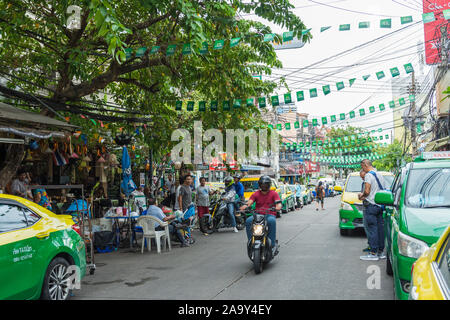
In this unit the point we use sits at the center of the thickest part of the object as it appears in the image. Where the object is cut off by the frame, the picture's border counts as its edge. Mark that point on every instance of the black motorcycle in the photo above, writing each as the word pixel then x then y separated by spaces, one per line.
pixel 259 247
pixel 219 217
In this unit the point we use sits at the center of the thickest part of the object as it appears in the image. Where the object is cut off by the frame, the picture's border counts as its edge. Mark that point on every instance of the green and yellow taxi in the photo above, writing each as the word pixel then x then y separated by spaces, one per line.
pixel 351 208
pixel 417 213
pixel 287 197
pixel 431 272
pixel 250 184
pixel 42 255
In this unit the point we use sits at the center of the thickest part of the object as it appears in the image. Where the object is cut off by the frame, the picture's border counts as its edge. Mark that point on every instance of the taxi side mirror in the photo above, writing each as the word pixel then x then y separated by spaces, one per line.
pixel 338 188
pixel 385 198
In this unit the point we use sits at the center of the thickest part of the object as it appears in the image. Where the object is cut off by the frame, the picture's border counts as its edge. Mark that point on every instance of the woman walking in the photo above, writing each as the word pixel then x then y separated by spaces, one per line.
pixel 320 195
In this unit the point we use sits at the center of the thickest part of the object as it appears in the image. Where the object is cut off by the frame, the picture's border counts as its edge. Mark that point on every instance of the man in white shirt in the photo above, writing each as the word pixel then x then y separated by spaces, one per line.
pixel 373 182
pixel 156 212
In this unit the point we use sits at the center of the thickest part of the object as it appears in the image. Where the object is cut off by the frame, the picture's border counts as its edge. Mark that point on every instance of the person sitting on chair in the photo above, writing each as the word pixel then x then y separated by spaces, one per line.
pixel 156 212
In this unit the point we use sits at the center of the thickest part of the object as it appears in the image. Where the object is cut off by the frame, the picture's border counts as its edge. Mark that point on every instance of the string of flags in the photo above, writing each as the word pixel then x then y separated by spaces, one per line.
pixel 287 36
pixel 343 160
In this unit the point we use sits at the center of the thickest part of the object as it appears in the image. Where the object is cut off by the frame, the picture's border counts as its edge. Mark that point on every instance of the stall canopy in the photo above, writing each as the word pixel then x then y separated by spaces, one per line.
pixel 29 124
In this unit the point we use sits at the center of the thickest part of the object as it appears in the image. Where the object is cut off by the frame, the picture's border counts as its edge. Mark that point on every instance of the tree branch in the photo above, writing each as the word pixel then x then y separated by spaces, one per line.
pixel 151 89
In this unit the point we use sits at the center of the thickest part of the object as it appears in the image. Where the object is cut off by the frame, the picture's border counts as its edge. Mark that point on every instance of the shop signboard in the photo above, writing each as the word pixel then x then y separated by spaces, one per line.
pixel 432 29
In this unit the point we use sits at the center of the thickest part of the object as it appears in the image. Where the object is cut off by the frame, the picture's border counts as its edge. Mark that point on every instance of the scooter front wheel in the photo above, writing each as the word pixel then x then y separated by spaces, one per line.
pixel 257 261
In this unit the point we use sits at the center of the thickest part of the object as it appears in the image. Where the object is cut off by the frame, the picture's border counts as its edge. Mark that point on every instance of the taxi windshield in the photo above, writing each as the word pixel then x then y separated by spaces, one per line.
pixel 428 188
pixel 354 184
pixel 250 186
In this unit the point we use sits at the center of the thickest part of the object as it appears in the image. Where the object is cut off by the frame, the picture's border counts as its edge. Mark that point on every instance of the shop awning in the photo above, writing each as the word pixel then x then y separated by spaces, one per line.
pixel 13 116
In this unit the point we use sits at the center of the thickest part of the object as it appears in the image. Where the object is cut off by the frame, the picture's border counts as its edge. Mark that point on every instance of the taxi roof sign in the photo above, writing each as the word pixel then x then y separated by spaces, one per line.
pixel 436 155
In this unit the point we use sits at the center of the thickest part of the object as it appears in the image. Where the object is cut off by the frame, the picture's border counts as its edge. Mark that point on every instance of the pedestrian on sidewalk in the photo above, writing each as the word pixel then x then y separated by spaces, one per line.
pixel 373 182
pixel 202 198
pixel 320 195
pixel 185 196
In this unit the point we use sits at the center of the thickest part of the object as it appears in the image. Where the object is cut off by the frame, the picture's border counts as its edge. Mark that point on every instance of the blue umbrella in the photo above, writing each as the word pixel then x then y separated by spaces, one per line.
pixel 127 185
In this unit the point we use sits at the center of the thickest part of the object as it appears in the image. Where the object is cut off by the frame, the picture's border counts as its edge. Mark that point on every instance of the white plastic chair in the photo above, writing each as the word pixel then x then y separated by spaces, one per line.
pixel 148 226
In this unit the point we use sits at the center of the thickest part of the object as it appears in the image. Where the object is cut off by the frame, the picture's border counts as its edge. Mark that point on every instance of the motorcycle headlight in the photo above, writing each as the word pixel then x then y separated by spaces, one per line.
pixel 346 206
pixel 258 230
pixel 409 246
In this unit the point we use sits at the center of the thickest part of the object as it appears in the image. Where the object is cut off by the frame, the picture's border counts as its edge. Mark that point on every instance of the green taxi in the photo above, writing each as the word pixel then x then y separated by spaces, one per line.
pixel 41 254
pixel 417 213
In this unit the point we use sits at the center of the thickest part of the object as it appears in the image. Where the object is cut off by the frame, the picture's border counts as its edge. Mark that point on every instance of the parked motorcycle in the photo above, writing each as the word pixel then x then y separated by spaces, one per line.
pixel 219 217
pixel 259 247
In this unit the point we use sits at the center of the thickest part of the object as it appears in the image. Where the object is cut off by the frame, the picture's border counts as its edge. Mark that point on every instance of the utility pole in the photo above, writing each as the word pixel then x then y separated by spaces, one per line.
pixel 412 91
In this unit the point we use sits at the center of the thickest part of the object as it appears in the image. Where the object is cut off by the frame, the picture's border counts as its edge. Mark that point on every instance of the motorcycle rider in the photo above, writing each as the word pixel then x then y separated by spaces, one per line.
pixel 264 200
pixel 230 197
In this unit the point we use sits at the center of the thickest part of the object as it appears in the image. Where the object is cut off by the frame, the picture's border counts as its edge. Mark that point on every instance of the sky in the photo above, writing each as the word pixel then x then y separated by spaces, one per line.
pixel 391 51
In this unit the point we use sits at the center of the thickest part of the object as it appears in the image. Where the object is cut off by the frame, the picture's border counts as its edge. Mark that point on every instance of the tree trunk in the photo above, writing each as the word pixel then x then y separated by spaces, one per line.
pixel 14 156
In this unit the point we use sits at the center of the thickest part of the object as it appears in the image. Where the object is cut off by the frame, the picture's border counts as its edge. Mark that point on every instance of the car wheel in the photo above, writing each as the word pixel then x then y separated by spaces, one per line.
pixel 56 281
pixel 389 270
pixel 343 232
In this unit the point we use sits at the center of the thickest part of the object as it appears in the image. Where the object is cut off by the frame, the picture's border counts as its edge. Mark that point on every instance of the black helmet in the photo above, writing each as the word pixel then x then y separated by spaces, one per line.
pixel 237 176
pixel 264 183
pixel 228 181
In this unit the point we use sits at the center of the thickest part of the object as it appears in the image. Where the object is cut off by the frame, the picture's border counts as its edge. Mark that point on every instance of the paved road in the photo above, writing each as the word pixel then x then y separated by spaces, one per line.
pixel 315 262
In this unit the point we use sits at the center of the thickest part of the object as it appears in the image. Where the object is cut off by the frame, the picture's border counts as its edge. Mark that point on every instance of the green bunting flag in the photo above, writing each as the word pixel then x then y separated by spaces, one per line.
pixel 324 120
pixel 214 105
pixel 391 104
pixel 428 17
pixel 315 123
pixel 269 37
pixel 412 98
pixel 287 126
pixel 237 103
pixel 386 136
pixel 279 127
pixel 300 96
pixel 401 101
pixel 446 14
pixel 218 44
pixel 305 123
pixel 324 29
pixel 395 72
pixel 313 93
pixel 288 36
pixel 385 23
pixel 190 106
pixel 372 109
pixel 364 25
pixel 366 77
pixel 342 116
pixel 382 107
pixel 155 49
pixel 344 27
pixel 340 85
pixel 352 114
pixel 202 106
pixel 407 19
pixel 171 50
pixel 226 105
pixel 186 49
pixel 128 53
pixel 296 124
pixel 270 126
pixel 140 52
pixel 333 118
pixel 250 102
pixel 326 89
pixel 380 75
pixel 362 112
pixel 287 98
pixel 204 48
pixel 352 81
pixel 408 68
pixel 234 42
pixel 178 105
pixel 275 101
pixel 262 102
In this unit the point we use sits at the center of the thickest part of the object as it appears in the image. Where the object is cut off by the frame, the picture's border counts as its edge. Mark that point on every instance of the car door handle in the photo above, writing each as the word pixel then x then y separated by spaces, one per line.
pixel 43 235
